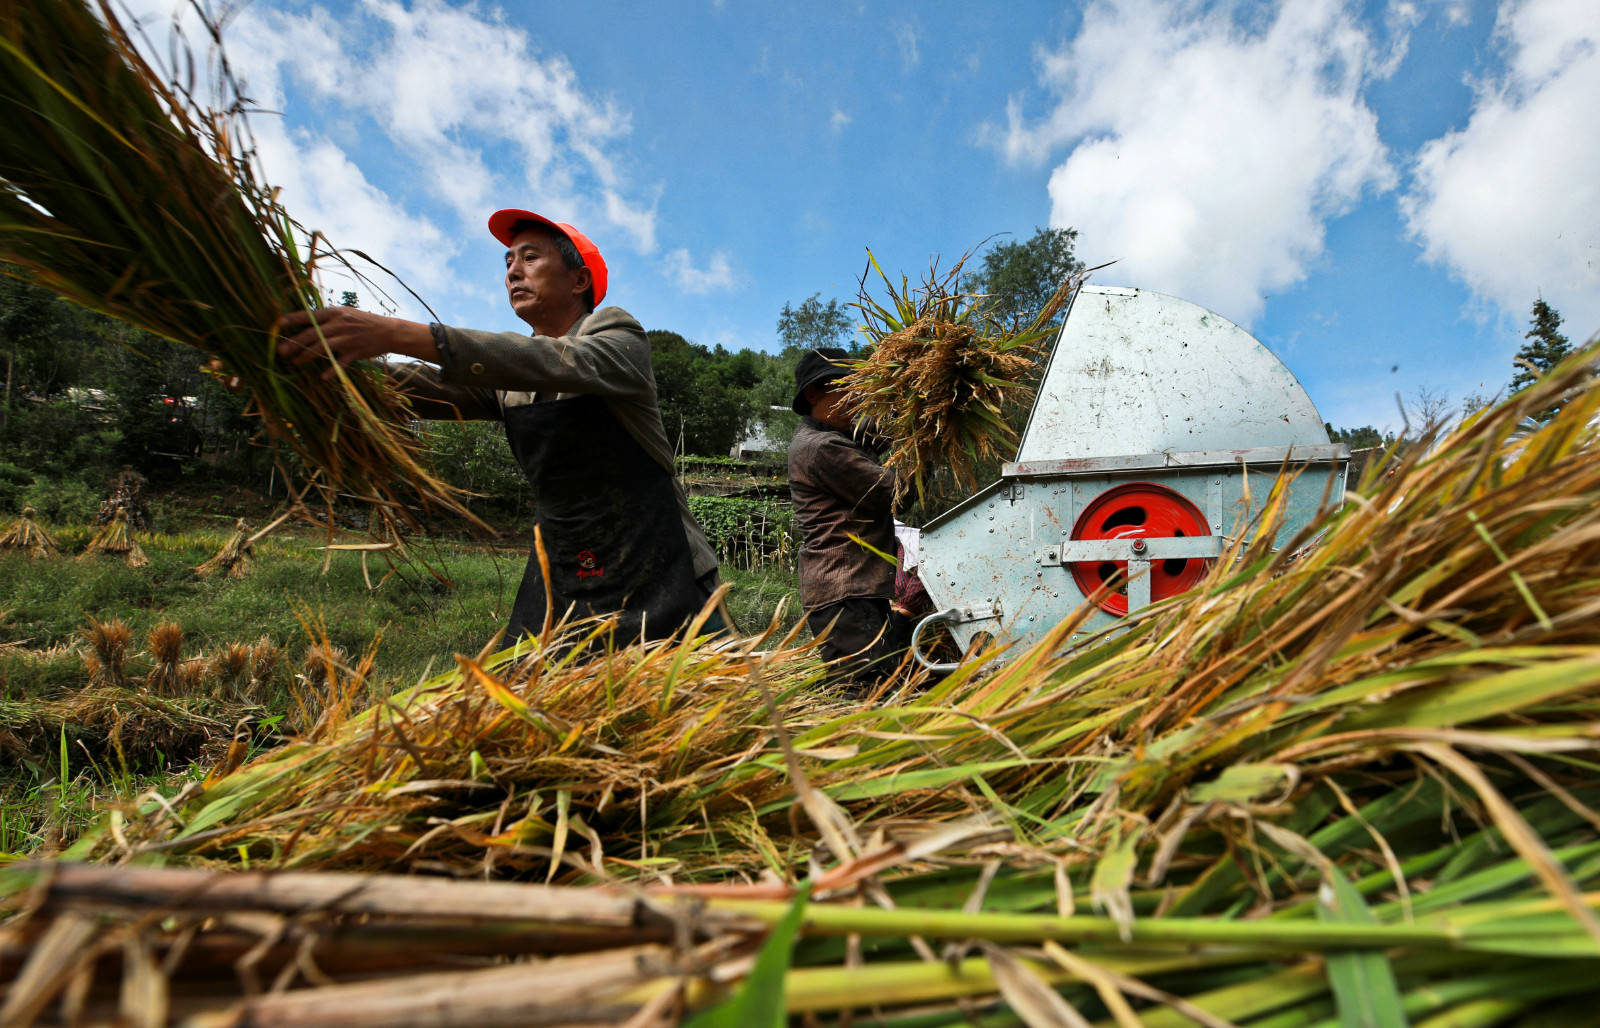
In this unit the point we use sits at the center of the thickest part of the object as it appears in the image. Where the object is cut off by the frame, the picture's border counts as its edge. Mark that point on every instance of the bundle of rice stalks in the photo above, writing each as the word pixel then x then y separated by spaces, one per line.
pixel 25 534
pixel 166 650
pixel 945 380
pixel 236 556
pixel 544 762
pixel 116 540
pixel 107 656
pixel 122 192
pixel 229 670
pixel 118 728
pixel 127 494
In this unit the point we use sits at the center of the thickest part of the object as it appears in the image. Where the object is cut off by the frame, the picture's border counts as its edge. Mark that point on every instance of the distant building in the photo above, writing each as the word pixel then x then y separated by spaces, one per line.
pixel 767 439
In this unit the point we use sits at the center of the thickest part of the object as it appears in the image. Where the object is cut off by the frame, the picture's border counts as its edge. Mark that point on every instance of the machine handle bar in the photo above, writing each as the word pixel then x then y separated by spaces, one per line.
pixel 950 615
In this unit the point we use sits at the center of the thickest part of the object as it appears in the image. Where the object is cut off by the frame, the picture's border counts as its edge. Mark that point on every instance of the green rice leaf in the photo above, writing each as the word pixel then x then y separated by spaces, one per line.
pixel 1363 983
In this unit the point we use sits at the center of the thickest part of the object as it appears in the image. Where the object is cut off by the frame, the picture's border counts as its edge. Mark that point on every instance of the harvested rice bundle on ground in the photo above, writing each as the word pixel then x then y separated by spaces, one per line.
pixel 236 556
pixel 121 192
pixel 565 753
pixel 166 650
pixel 26 535
pixel 119 727
pixel 116 540
pixel 944 379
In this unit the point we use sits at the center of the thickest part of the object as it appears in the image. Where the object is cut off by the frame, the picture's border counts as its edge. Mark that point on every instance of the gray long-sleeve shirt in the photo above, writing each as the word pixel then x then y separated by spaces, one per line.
pixel 604 354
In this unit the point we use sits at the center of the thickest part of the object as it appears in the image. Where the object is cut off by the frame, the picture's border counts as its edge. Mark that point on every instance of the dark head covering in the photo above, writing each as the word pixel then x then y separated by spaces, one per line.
pixel 823 364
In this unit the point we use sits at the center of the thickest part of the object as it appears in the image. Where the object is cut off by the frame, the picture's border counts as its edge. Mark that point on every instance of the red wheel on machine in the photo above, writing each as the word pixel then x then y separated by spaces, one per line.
pixel 1140 510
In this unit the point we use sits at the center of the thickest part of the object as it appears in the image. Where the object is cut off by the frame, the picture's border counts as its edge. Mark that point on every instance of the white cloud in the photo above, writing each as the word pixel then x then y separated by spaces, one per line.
pixel 433 76
pixel 1207 151
pixel 444 106
pixel 1510 204
pixel 404 124
pixel 714 277
pixel 906 38
pixel 839 121
pixel 332 196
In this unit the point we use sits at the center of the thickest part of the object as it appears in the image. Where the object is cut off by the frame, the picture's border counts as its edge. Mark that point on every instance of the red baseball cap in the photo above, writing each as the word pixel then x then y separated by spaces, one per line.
pixel 501 224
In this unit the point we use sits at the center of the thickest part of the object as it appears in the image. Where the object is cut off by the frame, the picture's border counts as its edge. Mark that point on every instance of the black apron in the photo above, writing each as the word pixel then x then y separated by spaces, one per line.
pixel 610 522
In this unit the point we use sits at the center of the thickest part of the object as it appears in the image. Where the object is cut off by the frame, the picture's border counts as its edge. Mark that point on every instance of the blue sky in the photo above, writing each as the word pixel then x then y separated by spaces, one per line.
pixel 1377 190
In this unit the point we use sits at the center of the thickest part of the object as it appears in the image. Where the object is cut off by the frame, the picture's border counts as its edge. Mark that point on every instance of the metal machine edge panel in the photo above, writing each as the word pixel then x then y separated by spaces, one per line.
pixel 1300 453
pixel 1138 371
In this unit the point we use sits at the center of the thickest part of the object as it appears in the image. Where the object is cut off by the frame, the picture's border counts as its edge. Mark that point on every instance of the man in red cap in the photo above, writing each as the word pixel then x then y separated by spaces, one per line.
pixel 578 401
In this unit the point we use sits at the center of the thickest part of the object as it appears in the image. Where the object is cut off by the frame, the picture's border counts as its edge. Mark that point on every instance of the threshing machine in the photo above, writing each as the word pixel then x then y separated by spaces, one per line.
pixel 1159 427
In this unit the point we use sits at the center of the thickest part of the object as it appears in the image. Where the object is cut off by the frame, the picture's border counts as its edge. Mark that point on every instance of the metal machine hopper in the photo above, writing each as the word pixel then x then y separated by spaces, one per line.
pixel 1159 427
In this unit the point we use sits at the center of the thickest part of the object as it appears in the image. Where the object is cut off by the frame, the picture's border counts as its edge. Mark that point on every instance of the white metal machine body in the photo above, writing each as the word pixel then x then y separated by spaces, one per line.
pixel 1158 429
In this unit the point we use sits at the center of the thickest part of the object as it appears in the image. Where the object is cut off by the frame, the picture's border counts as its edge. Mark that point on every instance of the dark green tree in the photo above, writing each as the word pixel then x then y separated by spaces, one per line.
pixel 701 402
pixel 1546 347
pixel 43 339
pixel 1020 277
pixel 153 389
pixel 815 324
pixel 1365 437
pixel 87 394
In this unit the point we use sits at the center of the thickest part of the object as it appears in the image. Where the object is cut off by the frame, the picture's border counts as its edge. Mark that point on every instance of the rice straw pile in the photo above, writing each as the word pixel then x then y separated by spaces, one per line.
pixel 235 558
pixel 1350 783
pixel 25 534
pixel 944 379
pixel 120 191
pixel 116 539
pixel 119 727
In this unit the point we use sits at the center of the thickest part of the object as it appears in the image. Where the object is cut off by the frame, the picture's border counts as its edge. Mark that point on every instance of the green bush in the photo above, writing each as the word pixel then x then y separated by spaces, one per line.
pixel 13 482
pixel 64 501
pixel 473 455
pixel 60 437
pixel 748 533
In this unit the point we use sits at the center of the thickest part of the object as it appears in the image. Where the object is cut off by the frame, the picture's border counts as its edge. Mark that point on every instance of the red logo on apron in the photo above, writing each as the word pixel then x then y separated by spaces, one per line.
pixel 589 566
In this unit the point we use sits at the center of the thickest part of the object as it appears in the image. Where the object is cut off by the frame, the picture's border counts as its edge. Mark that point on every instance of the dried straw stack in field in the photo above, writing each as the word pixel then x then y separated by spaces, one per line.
pixel 116 539
pixel 26 535
pixel 1353 786
pixel 945 379
pixel 235 558
pixel 121 192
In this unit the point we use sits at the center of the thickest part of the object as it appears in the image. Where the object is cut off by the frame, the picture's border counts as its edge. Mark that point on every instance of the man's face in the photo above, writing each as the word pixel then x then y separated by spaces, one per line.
pixel 830 405
pixel 543 291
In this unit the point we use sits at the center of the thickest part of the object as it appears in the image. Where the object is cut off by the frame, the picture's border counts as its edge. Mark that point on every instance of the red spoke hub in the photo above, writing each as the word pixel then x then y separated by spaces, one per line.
pixel 1139 510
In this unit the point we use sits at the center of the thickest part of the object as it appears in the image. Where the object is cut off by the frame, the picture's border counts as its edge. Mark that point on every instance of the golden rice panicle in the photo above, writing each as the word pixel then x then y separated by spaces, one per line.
pixel 230 670
pixel 108 650
pixel 166 650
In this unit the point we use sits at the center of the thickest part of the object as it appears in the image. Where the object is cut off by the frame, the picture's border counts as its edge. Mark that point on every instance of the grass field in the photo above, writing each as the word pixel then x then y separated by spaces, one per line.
pixel 91 712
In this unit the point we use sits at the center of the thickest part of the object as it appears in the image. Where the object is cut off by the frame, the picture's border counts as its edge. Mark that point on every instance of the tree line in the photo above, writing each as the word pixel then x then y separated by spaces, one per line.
pixel 86 396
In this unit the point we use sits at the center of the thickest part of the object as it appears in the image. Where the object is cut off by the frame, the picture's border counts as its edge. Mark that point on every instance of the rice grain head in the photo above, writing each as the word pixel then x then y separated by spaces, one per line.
pixel 166 649
pixel 108 642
